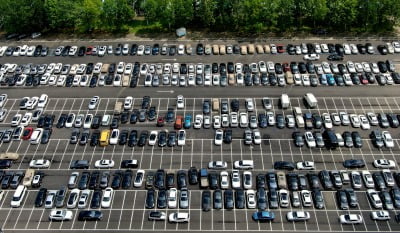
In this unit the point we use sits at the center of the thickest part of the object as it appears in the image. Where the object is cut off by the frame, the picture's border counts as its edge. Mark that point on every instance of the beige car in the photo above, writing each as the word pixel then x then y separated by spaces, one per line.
pixel 9 156
pixel 222 50
pixel 207 49
pixel 260 49
pixel 104 68
pixel 243 50
pixel 189 49
pixel 231 79
pixel 267 49
pixel 250 49
pixel 289 77
pixel 215 49
pixel 281 180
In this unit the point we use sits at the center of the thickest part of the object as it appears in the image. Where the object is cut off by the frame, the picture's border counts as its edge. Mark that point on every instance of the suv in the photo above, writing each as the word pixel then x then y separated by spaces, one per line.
pixel 79 164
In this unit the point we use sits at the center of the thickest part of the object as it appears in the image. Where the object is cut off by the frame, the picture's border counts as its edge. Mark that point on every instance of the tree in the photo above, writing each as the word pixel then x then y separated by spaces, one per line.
pixel 88 15
pixel 61 13
pixel 342 13
pixel 151 8
pixel 115 14
pixel 204 13
pixel 183 12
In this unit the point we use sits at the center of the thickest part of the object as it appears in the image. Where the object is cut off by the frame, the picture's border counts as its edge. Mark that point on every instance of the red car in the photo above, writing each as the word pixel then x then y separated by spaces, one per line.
pixel 160 121
pixel 89 50
pixel 26 135
pixel 280 48
pixel 363 79
pixel 286 67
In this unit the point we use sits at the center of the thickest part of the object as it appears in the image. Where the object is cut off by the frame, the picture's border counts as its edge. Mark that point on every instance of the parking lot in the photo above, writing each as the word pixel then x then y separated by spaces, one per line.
pixel 128 212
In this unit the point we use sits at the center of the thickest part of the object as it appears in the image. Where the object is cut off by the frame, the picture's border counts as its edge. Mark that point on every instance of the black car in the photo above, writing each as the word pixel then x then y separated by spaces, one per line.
pixel 79 164
pixel 228 199
pixel 171 139
pixel 169 117
pixel 227 136
pixel 143 138
pixel 200 49
pixel 351 197
pixel 94 140
pixel 354 163
pixel 160 179
pixel 313 181
pixel 84 137
pixel 356 139
pixel 162 199
pixel 5 183
pixel 4 163
pixel 261 199
pixel 170 180
pixel 379 181
pixel 96 199
pixel 213 180
pixel 235 105
pixel 292 181
pixel 150 199
pixel 162 139
pixel 40 197
pixel 46 136
pixel 382 49
pixel 124 117
pixel 90 215
pixel 298 139
pixel 206 200
pixel 94 180
pixel 193 175
pixel 133 138
pixel 284 165
pixel 134 116
pixel 260 181
pixel 217 204
pixel 83 180
pixel 181 179
pixel 280 121
pixel 116 181
pixel 123 137
pixel 62 120
pixel 134 49
pixel 127 179
pixel 342 200
pixel 318 199
pixel 273 199
pixel 393 120
pixel 335 57
pixel 156 49
pixel 152 114
pixel 326 179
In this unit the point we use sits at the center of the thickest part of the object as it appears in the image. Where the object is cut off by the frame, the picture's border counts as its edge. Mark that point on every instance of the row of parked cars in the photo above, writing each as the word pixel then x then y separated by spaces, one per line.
pixel 223 74
pixel 200 49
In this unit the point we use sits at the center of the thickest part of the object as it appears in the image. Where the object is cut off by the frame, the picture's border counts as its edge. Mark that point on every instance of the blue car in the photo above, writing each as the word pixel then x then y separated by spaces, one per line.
pixel 188 121
pixel 323 80
pixel 263 216
pixel 331 80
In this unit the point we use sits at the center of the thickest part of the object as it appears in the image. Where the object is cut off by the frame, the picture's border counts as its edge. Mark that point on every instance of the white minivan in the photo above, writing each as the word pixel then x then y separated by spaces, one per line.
pixel 18 196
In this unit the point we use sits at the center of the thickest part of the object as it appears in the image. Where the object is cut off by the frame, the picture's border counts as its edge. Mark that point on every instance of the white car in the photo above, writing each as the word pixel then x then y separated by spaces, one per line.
pixel 249 104
pixel 310 140
pixel 218 137
pixel 178 217
pixel 243 164
pixel 114 137
pixel 73 198
pixel 305 165
pixel 381 215
pixel 104 163
pixel 234 121
pixel 198 122
pixel 251 199
pixel 368 180
pixel 364 122
pixel 107 198
pixel 297 216
pixel 350 219
pixel 39 163
pixel 61 215
pixel 217 165
pixel 180 102
pixel 311 57
pixel 128 102
pixel 327 120
pixel 306 198
pixel 88 121
pixel 384 163
pixel 26 119
pixel 355 120
pixel 235 176
pixel 42 101
pixel 217 122
pixel 3 113
pixel 49 202
pixel 387 139
pixel 224 180
pixel 181 137
pixel 93 102
pixel 84 198
pixel 283 198
pixel 243 122
pixel 153 138
pixel 31 104
pixel 172 198
pixel 374 198
pixel 70 120
pixel 373 119
pixel 256 137
pixel 120 67
pixel 139 178
pixel 97 68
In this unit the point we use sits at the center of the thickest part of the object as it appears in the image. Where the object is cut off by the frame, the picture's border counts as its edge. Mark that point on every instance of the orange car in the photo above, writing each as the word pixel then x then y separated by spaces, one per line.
pixel 178 122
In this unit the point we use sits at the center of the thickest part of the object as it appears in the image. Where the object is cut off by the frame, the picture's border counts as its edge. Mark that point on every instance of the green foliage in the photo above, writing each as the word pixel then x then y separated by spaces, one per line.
pixel 248 16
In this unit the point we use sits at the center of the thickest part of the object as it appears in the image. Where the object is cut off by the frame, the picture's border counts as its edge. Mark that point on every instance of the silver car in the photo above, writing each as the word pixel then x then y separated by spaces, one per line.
pixel 184 198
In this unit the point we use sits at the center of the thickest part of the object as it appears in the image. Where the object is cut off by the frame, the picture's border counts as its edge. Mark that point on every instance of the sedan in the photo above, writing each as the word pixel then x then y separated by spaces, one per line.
pixel 381 215
pixel 60 215
pixel 384 163
pixel 157 216
pixel 350 219
pixel 263 216
pixel 387 139
pixel 217 165
pixel 297 216
pixel 39 163
pixel 107 198
pixel 218 137
pixel 93 102
pixel 104 163
pixel 178 217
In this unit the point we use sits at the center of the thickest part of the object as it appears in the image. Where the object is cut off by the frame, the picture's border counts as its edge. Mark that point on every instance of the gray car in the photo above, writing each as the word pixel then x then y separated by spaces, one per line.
pixel 184 198
pixel 60 196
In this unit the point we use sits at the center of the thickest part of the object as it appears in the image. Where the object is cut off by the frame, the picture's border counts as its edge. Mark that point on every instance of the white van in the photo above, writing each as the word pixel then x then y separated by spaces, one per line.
pixel 36 136
pixel 311 100
pixel 18 196
pixel 285 101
